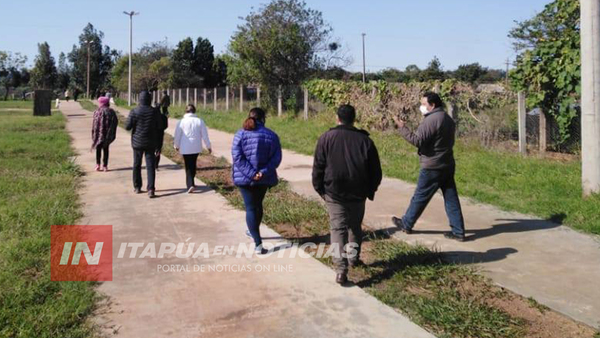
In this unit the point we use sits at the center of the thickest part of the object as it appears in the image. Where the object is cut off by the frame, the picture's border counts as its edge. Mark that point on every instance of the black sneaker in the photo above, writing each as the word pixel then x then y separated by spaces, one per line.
pixel 341 278
pixel 451 235
pixel 259 250
pixel 137 190
pixel 400 225
pixel 151 193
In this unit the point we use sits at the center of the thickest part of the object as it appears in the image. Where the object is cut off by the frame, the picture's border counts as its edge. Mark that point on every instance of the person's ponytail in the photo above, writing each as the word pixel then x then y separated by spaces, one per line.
pixel 255 115
pixel 250 124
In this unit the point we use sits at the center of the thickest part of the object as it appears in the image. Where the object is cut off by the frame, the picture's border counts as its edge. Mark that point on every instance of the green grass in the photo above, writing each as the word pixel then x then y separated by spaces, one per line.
pixel 550 189
pixel 19 104
pixel 88 105
pixel 39 183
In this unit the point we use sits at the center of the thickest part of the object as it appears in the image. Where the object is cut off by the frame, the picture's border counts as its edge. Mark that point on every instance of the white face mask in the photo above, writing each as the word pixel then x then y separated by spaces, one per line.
pixel 423 110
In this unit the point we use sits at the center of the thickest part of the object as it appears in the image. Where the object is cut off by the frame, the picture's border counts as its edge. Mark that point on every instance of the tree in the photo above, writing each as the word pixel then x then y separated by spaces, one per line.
pixel 102 59
pixel 549 64
pixel 393 75
pixel 470 73
pixel 10 73
pixel 44 73
pixel 183 64
pixel 63 77
pixel 219 71
pixel 282 43
pixel 413 73
pixel 203 62
pixel 433 71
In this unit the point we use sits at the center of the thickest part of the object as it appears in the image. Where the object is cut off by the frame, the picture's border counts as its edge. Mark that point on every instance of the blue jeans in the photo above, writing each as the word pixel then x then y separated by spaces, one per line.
pixel 253 200
pixel 429 182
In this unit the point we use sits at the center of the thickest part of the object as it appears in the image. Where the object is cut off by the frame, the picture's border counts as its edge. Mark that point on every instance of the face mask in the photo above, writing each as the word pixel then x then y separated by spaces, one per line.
pixel 423 110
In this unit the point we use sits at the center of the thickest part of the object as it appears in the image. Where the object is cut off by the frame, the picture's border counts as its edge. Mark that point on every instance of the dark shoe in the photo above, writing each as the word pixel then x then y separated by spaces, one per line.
pixel 451 235
pixel 400 225
pixel 356 263
pixel 137 190
pixel 151 193
pixel 341 278
pixel 259 250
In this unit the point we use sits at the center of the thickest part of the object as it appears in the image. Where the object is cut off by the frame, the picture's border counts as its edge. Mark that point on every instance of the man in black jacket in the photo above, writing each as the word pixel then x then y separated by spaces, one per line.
pixel 435 140
pixel 145 124
pixel 346 171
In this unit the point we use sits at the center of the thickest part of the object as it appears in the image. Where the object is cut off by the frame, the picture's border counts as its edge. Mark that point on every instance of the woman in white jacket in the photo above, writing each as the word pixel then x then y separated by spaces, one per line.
pixel 189 134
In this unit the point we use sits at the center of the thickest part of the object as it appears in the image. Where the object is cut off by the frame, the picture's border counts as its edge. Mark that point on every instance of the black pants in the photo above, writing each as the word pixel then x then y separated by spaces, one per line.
pixel 150 167
pixel 99 150
pixel 190 169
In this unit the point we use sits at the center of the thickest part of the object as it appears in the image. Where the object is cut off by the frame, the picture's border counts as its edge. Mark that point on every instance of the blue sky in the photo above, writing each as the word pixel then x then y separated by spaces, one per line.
pixel 399 32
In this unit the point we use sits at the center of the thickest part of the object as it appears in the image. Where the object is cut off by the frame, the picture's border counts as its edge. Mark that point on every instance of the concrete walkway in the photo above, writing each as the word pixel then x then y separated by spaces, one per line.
pixel 145 302
pixel 557 266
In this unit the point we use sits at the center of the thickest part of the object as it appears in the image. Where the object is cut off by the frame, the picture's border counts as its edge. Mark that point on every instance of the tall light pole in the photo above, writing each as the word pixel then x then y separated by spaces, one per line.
pixel 590 96
pixel 130 14
pixel 364 65
pixel 88 42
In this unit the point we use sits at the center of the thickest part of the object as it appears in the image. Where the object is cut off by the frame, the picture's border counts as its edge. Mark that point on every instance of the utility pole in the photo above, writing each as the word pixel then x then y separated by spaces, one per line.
pixel 130 14
pixel 590 96
pixel 88 42
pixel 364 65
pixel 507 69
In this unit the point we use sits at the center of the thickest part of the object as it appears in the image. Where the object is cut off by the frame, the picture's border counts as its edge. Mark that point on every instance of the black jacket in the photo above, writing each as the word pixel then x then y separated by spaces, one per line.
pixel 346 165
pixel 145 123
pixel 435 139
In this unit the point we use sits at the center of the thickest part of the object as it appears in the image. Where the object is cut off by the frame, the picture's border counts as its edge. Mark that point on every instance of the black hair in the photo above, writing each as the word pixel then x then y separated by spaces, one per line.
pixel 346 113
pixel 433 99
pixel 191 107
pixel 256 114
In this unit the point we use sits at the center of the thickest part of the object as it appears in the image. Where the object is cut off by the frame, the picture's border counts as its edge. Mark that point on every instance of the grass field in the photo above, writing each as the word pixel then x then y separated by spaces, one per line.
pixel 16 104
pixel 550 189
pixel 39 184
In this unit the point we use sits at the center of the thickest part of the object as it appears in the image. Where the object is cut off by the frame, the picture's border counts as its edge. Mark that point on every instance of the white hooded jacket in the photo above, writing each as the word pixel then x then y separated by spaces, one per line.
pixel 189 134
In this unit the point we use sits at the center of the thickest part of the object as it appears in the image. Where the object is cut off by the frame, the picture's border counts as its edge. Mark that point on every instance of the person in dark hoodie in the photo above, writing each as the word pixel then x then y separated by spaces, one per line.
pixel 346 171
pixel 145 124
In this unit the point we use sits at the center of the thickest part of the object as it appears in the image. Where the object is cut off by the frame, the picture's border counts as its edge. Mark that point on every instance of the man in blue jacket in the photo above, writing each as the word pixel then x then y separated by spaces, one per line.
pixel 346 171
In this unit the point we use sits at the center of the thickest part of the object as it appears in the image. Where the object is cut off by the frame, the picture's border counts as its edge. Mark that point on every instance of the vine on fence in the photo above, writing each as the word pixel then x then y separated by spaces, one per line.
pixel 376 102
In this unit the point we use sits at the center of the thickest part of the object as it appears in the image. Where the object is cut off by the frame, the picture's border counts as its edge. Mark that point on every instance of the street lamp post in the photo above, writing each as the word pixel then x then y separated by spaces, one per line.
pixel 364 66
pixel 130 14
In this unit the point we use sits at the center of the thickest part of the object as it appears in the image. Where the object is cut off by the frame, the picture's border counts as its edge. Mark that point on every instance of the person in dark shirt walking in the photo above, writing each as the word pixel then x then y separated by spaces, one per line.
pixel 435 140
pixel 346 171
pixel 145 124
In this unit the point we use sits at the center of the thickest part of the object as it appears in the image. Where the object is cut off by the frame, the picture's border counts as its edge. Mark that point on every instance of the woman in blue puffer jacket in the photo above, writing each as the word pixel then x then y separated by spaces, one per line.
pixel 256 153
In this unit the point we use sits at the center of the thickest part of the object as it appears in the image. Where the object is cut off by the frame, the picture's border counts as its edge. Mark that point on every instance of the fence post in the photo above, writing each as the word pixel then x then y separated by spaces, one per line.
pixel 522 121
pixel 179 101
pixel 187 96
pixel 543 132
pixel 305 104
pixel 174 98
pixel 196 97
pixel 242 98
pixel 215 99
pixel 258 96
pixel 279 102
pixel 204 98
pixel 227 98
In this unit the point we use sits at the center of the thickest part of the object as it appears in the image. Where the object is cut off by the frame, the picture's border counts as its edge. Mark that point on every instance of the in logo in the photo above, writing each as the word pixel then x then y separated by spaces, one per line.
pixel 81 253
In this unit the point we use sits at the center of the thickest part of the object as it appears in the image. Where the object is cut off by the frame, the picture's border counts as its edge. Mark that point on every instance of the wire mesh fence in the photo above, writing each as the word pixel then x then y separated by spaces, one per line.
pixel 497 127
